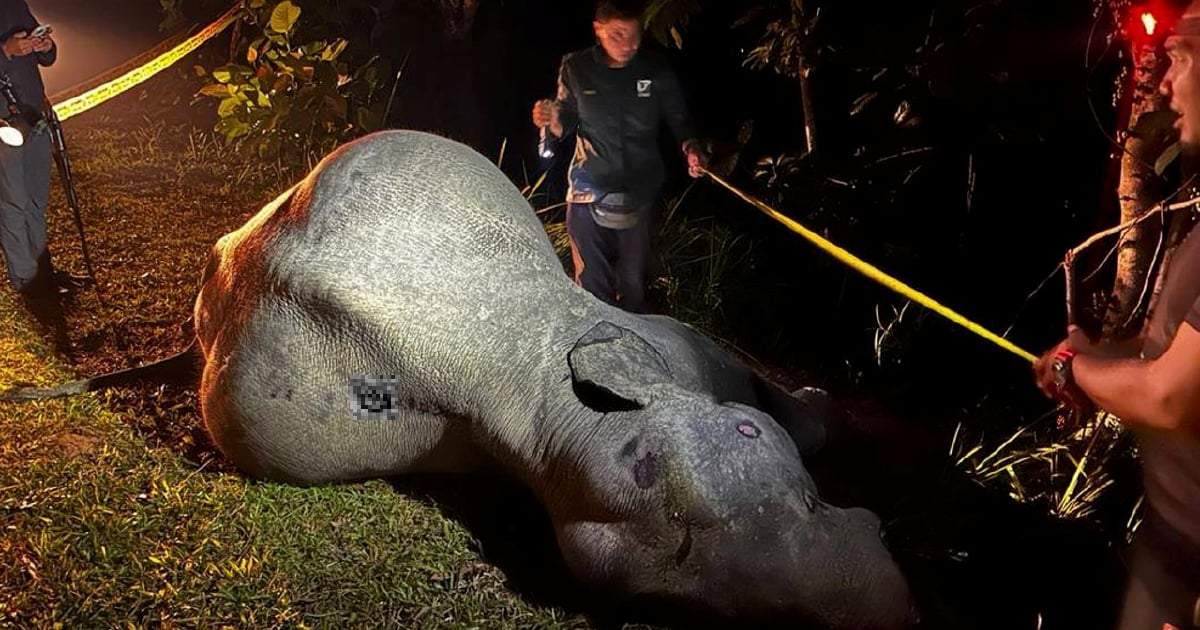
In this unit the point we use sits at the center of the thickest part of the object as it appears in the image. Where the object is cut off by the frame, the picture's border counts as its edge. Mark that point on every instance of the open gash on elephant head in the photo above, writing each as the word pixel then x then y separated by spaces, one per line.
pixel 692 499
pixel 401 310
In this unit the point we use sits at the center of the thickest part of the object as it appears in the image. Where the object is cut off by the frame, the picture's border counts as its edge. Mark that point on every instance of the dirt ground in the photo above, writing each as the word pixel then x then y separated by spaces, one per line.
pixel 155 190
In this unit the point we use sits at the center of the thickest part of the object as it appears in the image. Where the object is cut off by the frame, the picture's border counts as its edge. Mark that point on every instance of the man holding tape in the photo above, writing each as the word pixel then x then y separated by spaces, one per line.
pixel 1152 383
pixel 25 169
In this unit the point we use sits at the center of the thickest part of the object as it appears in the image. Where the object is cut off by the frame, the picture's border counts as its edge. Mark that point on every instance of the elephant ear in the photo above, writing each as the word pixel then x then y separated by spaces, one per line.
pixel 613 369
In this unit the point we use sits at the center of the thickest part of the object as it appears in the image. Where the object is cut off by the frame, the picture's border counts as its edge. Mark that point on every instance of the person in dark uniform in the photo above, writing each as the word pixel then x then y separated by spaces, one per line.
pixel 25 169
pixel 1152 384
pixel 613 96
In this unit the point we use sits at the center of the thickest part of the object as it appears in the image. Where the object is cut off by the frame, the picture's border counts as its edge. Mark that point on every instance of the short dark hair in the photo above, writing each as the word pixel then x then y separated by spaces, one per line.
pixel 619 10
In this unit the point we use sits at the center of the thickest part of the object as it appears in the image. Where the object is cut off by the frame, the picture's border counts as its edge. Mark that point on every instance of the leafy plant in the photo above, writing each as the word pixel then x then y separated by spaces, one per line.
pixel 787 40
pixel 665 20
pixel 700 261
pixel 293 97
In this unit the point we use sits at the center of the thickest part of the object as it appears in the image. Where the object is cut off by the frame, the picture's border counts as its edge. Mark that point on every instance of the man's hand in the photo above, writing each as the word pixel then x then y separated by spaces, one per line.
pixel 43 43
pixel 697 158
pixel 1043 370
pixel 19 45
pixel 546 114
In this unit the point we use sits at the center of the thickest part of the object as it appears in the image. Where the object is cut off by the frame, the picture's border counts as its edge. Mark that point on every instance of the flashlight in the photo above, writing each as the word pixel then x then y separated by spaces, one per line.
pixel 10 135
pixel 545 148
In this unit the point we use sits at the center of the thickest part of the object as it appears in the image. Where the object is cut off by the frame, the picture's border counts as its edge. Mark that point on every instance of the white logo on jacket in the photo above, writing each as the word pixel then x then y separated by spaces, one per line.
pixel 643 88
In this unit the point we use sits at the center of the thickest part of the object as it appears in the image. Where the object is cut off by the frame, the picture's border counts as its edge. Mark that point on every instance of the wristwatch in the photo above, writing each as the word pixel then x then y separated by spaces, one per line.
pixel 1061 368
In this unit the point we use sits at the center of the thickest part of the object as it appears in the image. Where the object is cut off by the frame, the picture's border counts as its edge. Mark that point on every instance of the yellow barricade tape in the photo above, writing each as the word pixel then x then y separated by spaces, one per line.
pixel 93 97
pixel 874 273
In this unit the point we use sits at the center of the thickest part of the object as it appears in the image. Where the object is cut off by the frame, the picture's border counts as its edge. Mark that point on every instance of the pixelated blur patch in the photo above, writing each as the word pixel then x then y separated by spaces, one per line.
pixel 374 397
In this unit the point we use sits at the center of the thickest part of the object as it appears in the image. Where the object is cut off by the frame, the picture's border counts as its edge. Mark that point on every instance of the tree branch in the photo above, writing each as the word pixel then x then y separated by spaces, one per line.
pixel 1068 263
pixel 1160 208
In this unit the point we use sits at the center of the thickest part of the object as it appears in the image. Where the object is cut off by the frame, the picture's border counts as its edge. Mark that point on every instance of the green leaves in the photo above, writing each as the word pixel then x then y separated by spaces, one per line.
pixel 294 96
pixel 665 20
pixel 218 90
pixel 284 17
pixel 331 52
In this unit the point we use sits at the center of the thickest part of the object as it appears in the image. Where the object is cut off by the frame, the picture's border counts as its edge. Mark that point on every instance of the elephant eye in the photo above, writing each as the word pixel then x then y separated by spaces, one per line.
pixel 748 429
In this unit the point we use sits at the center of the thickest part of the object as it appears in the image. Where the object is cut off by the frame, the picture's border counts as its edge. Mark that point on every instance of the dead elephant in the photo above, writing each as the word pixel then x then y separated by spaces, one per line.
pixel 402 310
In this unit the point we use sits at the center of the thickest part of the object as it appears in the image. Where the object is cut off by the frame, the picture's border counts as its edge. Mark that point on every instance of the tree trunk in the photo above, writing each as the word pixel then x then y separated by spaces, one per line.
pixel 810 124
pixel 1138 190
pixel 803 69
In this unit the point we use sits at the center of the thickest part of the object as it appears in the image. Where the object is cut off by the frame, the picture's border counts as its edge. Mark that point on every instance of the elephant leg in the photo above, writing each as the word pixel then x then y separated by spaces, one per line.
pixel 289 399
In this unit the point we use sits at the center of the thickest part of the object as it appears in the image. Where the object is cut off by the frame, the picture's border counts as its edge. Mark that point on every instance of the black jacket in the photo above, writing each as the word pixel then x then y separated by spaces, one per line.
pixel 23 71
pixel 616 113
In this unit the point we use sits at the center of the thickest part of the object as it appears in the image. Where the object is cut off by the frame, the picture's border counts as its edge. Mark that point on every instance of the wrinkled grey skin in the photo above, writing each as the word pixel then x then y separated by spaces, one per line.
pixel 410 255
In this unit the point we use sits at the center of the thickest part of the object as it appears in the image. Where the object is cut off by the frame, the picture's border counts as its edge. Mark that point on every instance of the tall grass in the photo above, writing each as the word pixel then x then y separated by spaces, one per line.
pixel 1074 474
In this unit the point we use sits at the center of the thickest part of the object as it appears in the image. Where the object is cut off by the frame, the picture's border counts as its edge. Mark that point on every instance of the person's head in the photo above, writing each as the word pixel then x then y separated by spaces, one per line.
pixel 1181 83
pixel 618 26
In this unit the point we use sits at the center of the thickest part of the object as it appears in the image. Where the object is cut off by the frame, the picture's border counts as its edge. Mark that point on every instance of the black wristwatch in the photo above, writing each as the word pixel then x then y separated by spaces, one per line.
pixel 1062 369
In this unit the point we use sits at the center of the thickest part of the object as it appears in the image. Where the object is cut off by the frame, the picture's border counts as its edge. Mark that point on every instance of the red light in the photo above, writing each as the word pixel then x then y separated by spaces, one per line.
pixel 1149 23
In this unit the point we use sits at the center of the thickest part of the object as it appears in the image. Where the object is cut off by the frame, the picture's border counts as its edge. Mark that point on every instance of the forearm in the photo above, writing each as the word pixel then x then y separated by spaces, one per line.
pixel 1120 349
pixel 1128 388
pixel 565 103
pixel 568 118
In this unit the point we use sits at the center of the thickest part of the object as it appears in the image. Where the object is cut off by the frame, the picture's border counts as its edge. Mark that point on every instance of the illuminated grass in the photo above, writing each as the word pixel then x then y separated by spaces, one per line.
pixel 1072 474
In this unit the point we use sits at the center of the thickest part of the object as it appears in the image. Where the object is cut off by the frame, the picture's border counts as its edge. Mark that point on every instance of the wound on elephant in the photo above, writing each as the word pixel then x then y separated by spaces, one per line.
pixel 645 471
pixel 748 429
pixel 374 397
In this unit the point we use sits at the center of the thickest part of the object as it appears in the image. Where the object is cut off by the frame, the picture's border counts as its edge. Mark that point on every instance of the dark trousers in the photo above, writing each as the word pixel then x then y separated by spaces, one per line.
pixel 24 194
pixel 610 264
pixel 1157 593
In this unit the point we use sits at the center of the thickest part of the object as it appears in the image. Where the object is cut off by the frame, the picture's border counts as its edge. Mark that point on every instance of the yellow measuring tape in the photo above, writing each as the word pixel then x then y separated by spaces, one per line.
pixel 142 71
pixel 874 273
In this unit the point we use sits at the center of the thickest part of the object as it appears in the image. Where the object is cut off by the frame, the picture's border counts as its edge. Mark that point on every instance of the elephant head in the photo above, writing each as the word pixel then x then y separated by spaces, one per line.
pixel 666 492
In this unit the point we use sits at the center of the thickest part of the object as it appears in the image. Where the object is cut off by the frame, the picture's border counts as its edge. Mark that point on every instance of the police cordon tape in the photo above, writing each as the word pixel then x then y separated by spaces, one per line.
pixel 872 272
pixel 141 70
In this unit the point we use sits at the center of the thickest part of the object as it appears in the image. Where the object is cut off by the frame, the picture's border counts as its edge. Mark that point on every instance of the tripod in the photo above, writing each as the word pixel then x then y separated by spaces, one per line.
pixel 63 161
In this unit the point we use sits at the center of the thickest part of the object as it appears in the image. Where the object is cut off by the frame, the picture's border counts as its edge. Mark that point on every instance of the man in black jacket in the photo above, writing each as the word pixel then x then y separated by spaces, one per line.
pixel 613 96
pixel 25 169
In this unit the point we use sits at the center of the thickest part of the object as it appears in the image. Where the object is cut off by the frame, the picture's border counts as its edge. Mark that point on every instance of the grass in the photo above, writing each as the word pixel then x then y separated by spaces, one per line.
pixel 1072 473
